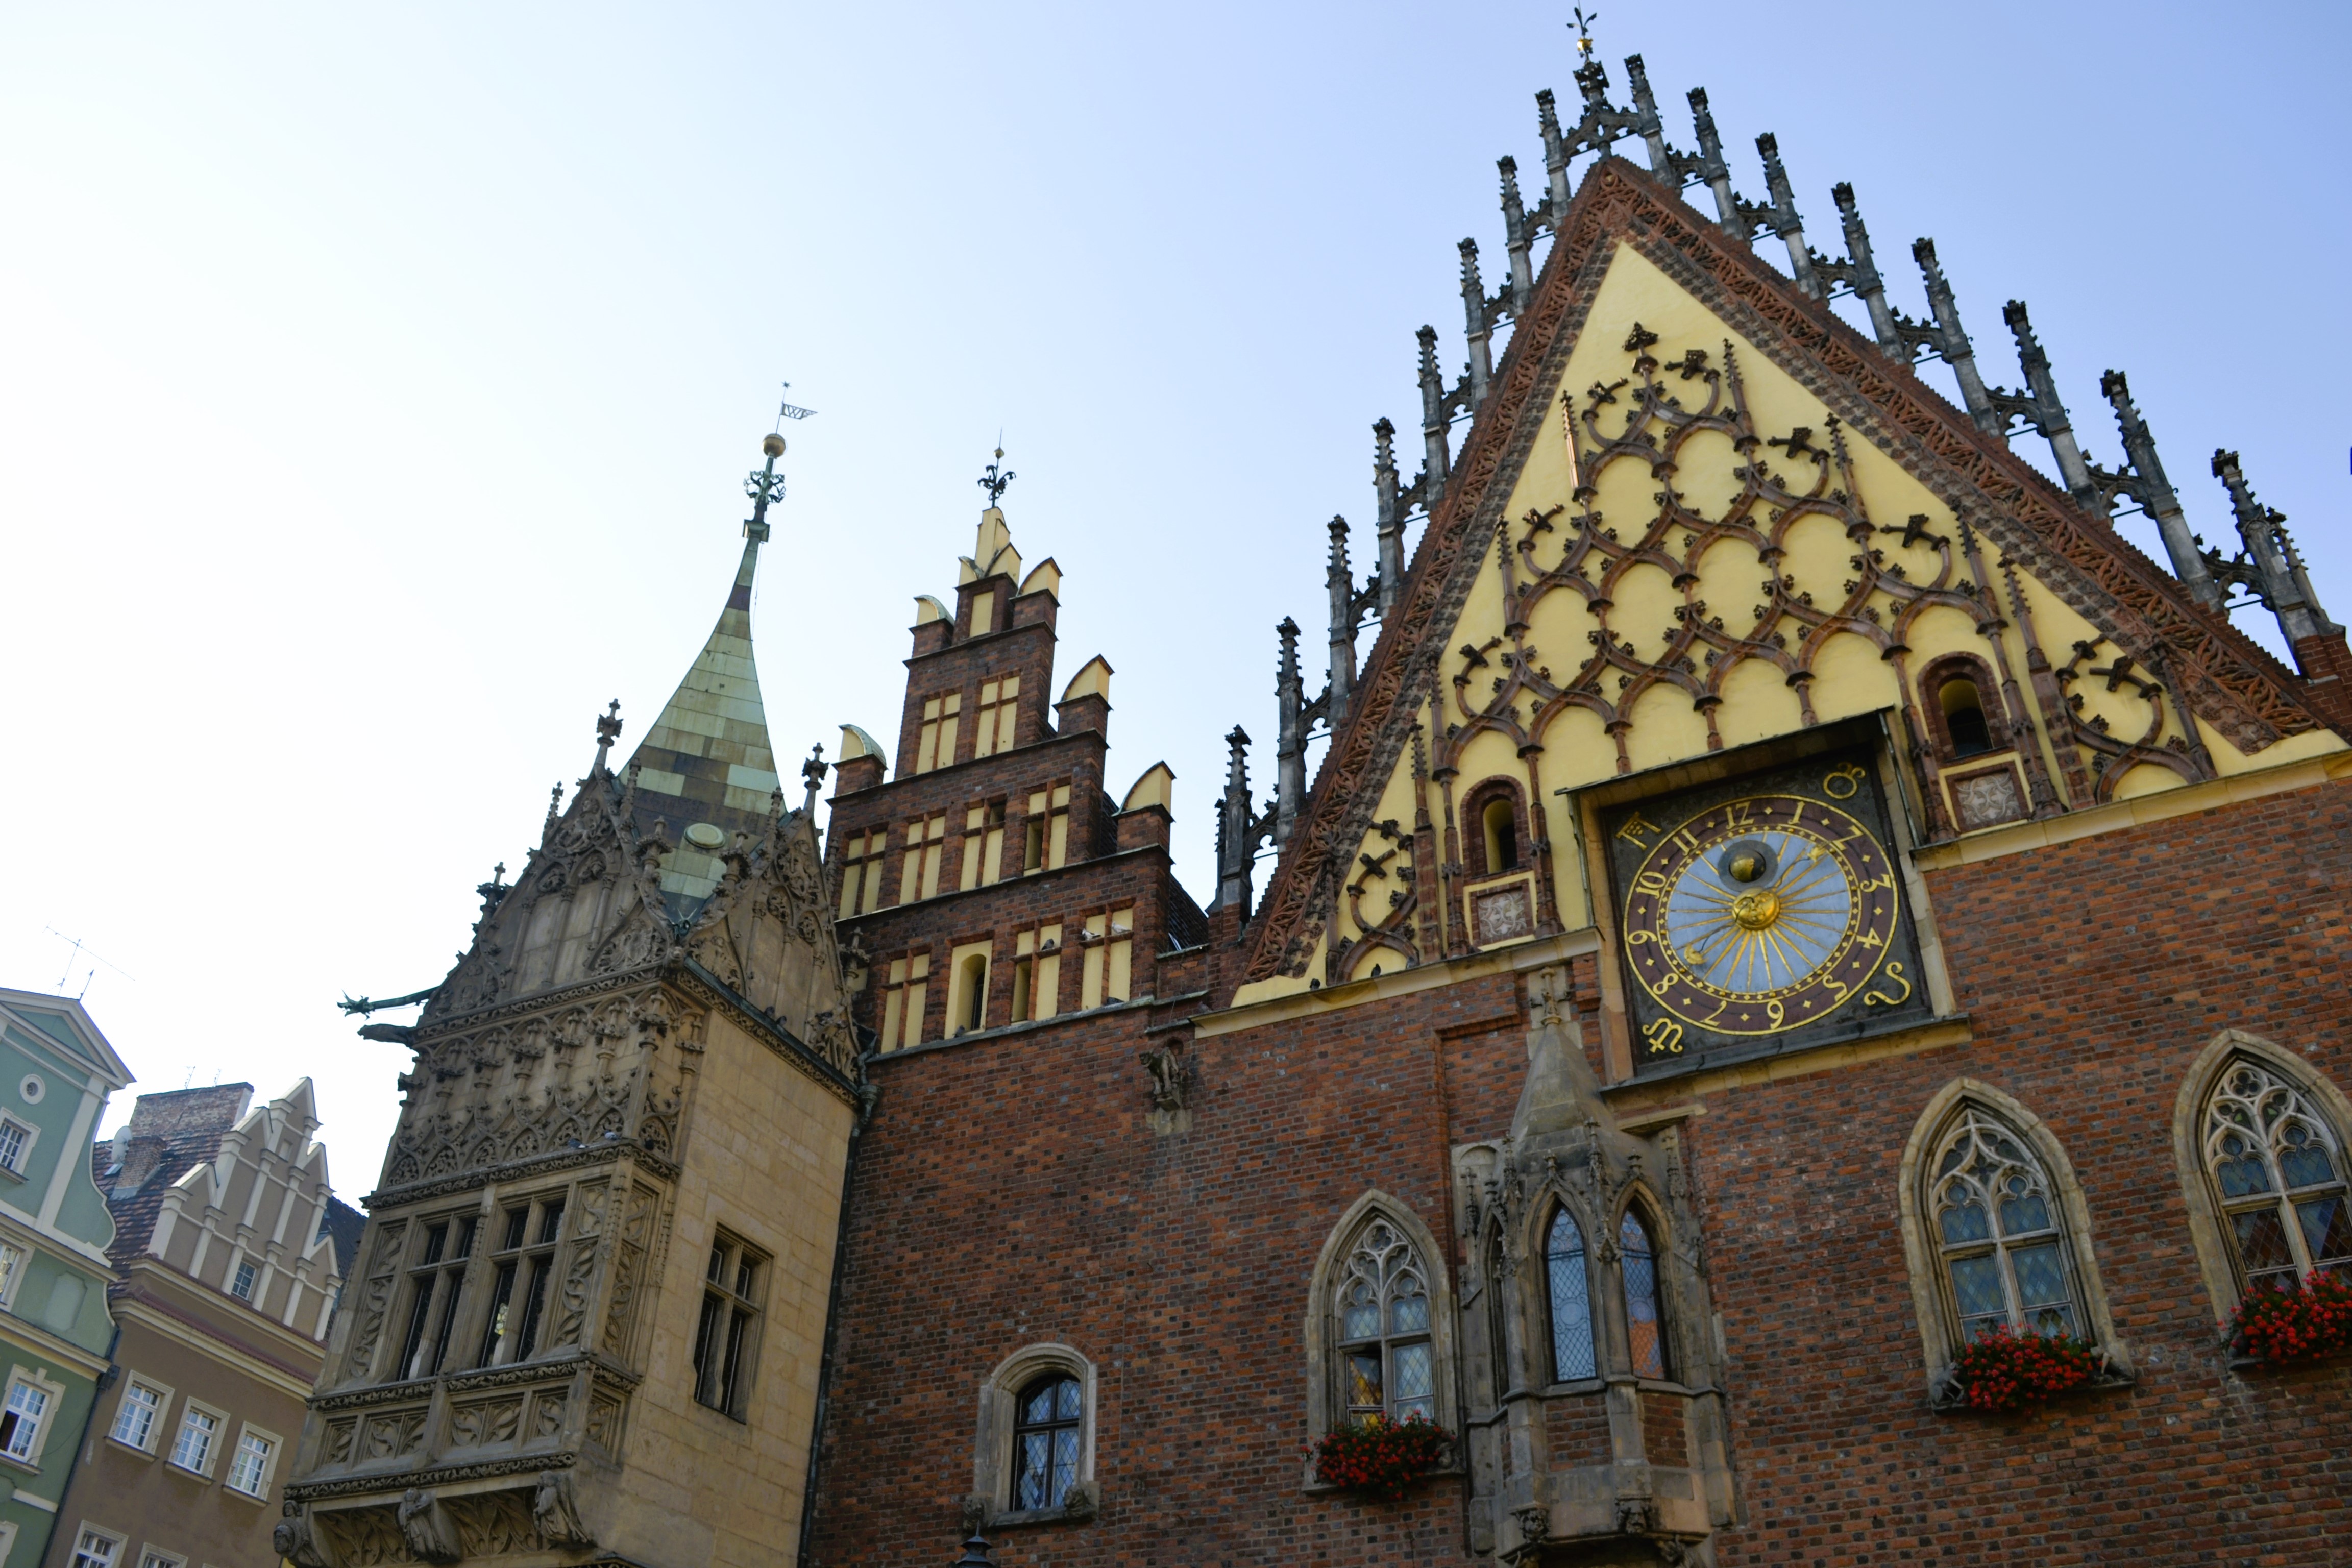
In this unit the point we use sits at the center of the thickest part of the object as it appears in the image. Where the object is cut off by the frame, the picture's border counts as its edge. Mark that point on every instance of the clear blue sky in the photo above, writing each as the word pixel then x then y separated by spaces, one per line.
pixel 376 383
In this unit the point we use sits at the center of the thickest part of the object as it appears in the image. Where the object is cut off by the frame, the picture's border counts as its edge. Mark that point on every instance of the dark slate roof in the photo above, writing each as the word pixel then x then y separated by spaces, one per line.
pixel 344 1223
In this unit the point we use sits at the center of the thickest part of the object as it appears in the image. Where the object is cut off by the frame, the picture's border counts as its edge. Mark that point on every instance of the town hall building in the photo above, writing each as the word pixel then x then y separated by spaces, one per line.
pixel 1788 895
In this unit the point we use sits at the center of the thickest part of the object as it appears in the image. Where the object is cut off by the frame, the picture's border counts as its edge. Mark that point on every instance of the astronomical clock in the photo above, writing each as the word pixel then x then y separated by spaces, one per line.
pixel 1763 913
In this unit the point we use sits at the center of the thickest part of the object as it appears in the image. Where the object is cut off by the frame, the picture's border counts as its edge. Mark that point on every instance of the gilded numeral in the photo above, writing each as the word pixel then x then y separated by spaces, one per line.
pixel 1637 935
pixel 1737 813
pixel 1774 1011
pixel 1634 829
pixel 1840 986
pixel 1843 784
pixel 1652 883
pixel 1887 882
pixel 1684 836
pixel 1871 939
pixel 1663 1035
pixel 1894 972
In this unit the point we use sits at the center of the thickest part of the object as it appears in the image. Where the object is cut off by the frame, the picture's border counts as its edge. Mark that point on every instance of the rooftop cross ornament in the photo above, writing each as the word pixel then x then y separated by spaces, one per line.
pixel 812 774
pixel 608 729
pixel 994 482
pixel 1583 25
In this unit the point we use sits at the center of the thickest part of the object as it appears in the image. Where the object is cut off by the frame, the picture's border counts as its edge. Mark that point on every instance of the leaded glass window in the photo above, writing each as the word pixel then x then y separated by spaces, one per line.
pixel 2279 1169
pixel 1572 1299
pixel 1046 1426
pixel 1997 1225
pixel 1645 1328
pixel 1382 1305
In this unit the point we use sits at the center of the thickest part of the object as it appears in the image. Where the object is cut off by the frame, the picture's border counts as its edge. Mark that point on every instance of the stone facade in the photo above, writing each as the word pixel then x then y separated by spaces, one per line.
pixel 590 1308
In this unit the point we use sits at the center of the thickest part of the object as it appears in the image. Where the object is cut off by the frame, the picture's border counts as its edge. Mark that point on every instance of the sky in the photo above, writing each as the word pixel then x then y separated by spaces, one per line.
pixel 377 386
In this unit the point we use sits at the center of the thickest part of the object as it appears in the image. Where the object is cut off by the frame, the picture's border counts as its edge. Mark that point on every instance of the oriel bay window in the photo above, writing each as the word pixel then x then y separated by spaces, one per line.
pixel 727 1334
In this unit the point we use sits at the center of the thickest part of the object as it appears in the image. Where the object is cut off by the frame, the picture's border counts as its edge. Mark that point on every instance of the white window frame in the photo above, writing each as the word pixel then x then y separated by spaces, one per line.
pixel 7 1540
pixel 213 1451
pixel 24 1154
pixel 22 1376
pixel 234 1273
pixel 114 1539
pixel 11 1274
pixel 260 1492
pixel 155 1444
pixel 152 1556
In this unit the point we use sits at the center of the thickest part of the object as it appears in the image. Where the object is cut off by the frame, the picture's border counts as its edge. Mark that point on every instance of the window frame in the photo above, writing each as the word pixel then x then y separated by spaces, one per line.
pixel 1326 1393
pixel 1584 1251
pixel 18 1169
pixel 154 1556
pixel 12 1273
pixel 190 1408
pixel 2217 1255
pixel 21 1375
pixel 1991 702
pixel 154 1446
pixel 431 1278
pixel 522 1275
pixel 1644 1217
pixel 260 1493
pixel 116 1540
pixel 994 1472
pixel 1472 819
pixel 1923 1259
pixel 723 1298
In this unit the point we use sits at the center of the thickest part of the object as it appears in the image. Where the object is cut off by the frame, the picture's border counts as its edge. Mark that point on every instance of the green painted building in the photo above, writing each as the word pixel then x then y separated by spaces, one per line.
pixel 56 1071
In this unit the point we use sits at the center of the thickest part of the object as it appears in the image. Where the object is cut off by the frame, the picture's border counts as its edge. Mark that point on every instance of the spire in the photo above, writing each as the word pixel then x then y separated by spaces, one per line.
pixel 1473 313
pixel 1713 170
pixel 1860 274
pixel 2145 482
pixel 1337 577
pixel 1433 416
pixel 2041 408
pixel 1291 739
pixel 1516 237
pixel 2270 567
pixel 1236 842
pixel 1389 516
pixel 1783 214
pixel 1952 343
pixel 706 762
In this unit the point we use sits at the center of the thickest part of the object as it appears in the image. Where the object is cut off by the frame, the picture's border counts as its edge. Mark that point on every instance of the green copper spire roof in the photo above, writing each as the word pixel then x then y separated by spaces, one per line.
pixel 706 770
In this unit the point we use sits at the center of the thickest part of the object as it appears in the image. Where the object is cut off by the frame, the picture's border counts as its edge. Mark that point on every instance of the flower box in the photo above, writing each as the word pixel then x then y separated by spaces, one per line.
pixel 1380 1459
pixel 2287 1325
pixel 2005 1373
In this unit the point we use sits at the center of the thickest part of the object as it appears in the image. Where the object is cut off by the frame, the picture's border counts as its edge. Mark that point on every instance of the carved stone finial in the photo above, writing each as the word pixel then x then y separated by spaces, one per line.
pixel 2143 480
pixel 2271 567
pixel 1474 315
pixel 1433 414
pixel 1785 221
pixel 812 775
pixel 1951 340
pixel 2041 407
pixel 608 729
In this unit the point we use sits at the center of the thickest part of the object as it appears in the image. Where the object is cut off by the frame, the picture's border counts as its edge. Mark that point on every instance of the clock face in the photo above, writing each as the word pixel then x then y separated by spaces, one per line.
pixel 1761 909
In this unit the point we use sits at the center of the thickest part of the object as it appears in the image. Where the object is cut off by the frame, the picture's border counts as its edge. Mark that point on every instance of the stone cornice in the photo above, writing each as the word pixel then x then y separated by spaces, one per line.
pixel 393 1483
pixel 597 1153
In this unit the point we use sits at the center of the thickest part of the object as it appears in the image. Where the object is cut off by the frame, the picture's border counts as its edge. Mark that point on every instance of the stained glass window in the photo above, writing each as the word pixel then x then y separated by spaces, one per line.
pixel 1046 1442
pixel 1572 1299
pixel 1996 1225
pixel 2279 1168
pixel 1645 1332
pixel 1383 1306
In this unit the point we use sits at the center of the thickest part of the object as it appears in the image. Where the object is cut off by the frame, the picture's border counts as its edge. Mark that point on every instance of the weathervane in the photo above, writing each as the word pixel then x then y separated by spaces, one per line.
pixel 766 485
pixel 994 482
pixel 1584 32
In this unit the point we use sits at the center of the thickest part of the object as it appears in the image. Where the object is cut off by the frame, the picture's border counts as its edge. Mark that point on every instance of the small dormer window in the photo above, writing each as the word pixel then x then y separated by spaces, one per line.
pixel 241 1286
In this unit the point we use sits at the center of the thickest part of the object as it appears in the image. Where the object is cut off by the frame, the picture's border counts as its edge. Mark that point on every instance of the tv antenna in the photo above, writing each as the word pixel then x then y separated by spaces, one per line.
pixel 77 948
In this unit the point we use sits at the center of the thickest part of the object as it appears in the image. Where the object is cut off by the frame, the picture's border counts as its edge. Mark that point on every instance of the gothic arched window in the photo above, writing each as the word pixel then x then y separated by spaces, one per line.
pixel 1045 1432
pixel 1382 1306
pixel 2278 1172
pixel 1646 1325
pixel 1998 1226
pixel 1571 1287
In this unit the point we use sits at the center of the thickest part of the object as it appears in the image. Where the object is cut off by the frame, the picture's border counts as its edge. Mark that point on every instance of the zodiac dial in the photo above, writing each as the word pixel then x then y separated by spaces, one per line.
pixel 1760 914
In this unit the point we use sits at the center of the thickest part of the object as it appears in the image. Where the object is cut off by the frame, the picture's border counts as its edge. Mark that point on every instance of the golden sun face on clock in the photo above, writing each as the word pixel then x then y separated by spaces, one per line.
pixel 1759 915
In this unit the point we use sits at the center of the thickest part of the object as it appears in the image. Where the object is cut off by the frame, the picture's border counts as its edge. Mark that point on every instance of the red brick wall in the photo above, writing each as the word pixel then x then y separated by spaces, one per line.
pixel 1010 1192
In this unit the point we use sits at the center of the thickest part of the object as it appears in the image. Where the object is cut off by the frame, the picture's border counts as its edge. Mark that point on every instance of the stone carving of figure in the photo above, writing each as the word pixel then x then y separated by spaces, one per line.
pixel 555 1514
pixel 428 1534
pixel 292 1540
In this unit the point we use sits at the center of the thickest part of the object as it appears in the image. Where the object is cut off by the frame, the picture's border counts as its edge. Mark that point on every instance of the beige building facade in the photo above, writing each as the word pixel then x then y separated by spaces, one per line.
pixel 226 1238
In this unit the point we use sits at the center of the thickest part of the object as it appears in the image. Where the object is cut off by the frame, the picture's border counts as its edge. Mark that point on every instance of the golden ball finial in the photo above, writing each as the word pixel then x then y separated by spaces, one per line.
pixel 773 446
